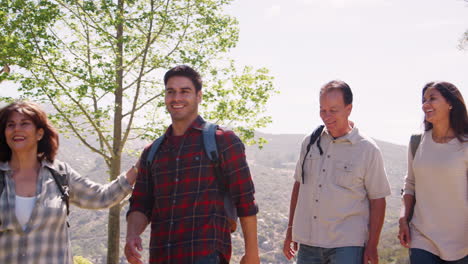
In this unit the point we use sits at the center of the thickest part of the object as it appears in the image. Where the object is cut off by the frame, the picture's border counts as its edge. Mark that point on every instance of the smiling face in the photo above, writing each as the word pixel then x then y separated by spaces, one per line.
pixel 21 133
pixel 182 99
pixel 435 106
pixel 335 113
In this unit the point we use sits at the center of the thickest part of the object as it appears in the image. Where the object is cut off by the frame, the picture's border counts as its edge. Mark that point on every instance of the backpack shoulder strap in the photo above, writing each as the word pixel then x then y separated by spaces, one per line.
pixel 313 138
pixel 211 150
pixel 2 181
pixel 153 150
pixel 209 141
pixel 415 140
pixel 315 135
pixel 60 177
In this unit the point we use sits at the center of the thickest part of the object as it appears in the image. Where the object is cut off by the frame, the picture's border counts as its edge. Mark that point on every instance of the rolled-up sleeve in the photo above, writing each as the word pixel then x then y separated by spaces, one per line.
pixel 409 178
pixel 375 179
pixel 298 171
pixel 142 195
pixel 88 194
pixel 234 165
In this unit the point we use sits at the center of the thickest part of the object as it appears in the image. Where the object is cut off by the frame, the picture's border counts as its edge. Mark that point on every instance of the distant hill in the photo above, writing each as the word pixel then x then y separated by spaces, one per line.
pixel 272 168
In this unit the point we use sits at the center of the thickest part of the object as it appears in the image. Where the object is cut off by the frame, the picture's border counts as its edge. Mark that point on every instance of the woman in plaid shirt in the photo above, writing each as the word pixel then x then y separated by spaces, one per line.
pixel 33 219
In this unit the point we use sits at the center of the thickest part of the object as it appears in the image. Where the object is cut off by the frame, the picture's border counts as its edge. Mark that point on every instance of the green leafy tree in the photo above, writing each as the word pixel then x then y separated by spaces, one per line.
pixel 99 64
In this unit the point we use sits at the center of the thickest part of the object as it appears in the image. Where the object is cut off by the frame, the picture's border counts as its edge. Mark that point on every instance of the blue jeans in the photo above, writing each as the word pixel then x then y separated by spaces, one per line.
pixel 420 256
pixel 212 258
pixel 340 255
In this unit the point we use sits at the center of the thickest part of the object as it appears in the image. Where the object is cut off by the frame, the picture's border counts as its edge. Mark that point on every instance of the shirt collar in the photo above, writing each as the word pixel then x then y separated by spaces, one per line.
pixel 5 165
pixel 45 163
pixel 352 137
pixel 197 124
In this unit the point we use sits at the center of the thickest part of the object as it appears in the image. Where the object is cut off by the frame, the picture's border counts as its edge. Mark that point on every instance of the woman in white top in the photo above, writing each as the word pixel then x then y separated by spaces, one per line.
pixel 434 218
pixel 33 204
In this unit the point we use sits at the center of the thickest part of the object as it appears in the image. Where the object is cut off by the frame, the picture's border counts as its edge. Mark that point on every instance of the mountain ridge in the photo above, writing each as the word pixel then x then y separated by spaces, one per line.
pixel 272 169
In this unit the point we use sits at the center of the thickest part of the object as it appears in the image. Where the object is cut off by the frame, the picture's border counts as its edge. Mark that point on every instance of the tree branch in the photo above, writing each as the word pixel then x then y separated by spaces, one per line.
pixel 90 73
pixel 142 68
pixel 142 105
pixel 69 122
pixel 132 61
pixel 64 88
pixel 95 25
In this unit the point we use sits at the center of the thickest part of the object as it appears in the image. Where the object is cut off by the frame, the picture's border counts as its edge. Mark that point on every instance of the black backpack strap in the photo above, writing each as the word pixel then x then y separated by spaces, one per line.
pixel 415 140
pixel 61 180
pixel 313 138
pixel 2 181
pixel 153 150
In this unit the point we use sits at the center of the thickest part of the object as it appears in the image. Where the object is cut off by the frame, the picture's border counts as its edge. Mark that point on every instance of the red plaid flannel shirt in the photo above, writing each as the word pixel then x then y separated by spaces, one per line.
pixel 181 198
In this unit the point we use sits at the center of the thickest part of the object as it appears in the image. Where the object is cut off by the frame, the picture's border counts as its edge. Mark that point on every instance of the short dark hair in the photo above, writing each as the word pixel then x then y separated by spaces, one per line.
pixel 185 71
pixel 48 145
pixel 458 116
pixel 341 86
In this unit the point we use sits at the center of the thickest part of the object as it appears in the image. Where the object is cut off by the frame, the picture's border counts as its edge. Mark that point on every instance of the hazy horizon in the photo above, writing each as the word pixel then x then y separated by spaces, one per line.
pixel 386 50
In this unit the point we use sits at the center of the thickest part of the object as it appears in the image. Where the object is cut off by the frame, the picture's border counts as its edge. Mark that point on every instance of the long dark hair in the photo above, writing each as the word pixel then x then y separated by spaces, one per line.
pixel 458 114
pixel 47 147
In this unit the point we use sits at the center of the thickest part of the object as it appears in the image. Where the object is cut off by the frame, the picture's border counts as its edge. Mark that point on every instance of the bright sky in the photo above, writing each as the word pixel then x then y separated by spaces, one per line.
pixel 386 50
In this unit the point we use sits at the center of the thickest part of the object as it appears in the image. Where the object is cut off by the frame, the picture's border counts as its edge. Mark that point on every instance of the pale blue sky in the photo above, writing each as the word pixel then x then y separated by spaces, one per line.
pixel 386 50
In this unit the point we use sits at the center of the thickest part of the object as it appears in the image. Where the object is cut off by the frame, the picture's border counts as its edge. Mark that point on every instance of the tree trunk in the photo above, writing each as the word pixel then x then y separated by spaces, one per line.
pixel 113 228
pixel 113 235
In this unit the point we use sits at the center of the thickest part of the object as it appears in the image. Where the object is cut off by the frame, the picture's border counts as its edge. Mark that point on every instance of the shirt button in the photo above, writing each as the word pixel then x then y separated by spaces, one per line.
pixel 176 179
pixel 320 185
pixel 173 201
pixel 315 217
pixel 316 201
pixel 328 156
pixel 177 159
pixel 171 223
pixel 168 244
pixel 323 170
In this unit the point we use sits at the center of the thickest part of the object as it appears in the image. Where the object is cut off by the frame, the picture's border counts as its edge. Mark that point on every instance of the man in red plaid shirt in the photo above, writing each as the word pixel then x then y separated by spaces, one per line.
pixel 179 193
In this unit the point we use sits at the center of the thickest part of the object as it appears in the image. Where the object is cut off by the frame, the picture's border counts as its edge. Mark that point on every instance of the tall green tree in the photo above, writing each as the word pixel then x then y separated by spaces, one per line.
pixel 99 63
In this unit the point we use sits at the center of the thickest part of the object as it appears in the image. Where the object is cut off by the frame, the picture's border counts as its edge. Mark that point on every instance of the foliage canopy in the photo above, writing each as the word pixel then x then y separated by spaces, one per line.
pixel 99 64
